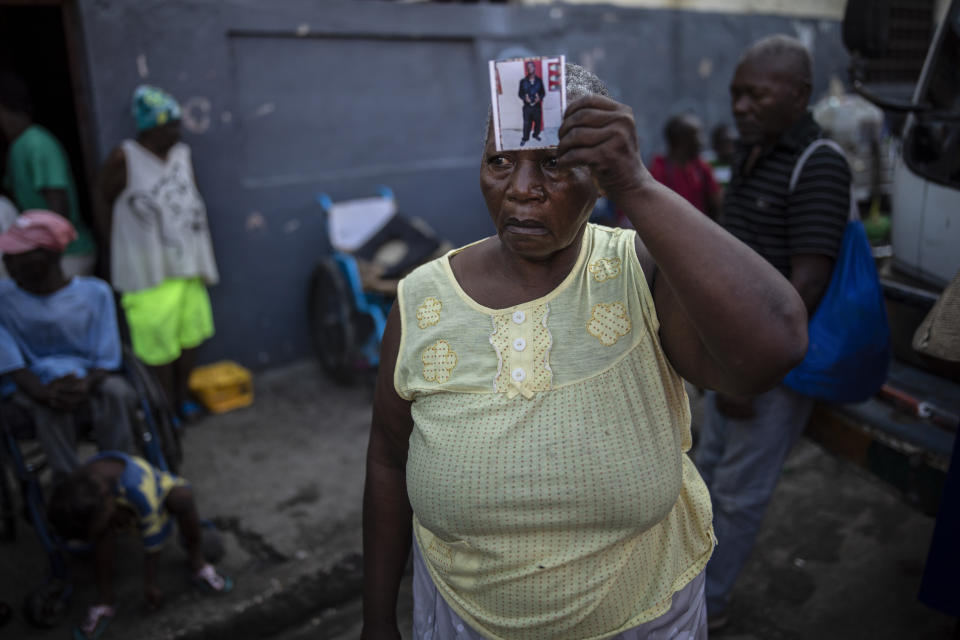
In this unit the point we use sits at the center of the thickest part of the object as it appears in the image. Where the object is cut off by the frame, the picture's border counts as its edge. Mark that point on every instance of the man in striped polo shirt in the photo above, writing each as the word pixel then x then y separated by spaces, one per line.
pixel 745 440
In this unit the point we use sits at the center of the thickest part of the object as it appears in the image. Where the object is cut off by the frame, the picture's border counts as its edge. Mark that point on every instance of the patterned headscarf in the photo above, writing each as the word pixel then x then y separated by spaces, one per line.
pixel 153 107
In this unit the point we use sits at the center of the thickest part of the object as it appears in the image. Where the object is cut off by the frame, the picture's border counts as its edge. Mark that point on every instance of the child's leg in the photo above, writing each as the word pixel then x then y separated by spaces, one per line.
pixel 181 506
pixel 151 592
pixel 104 551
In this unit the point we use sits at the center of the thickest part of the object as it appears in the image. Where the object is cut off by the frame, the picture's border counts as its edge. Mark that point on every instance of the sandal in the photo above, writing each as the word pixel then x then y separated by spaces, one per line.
pixel 211 582
pixel 96 622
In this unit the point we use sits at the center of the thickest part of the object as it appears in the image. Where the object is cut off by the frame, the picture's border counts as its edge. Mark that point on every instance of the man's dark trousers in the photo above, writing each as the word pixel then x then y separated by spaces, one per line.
pixel 532 115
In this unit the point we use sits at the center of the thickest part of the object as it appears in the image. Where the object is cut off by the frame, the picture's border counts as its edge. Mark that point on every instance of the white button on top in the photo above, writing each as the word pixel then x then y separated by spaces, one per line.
pixel 519 317
pixel 519 344
pixel 518 374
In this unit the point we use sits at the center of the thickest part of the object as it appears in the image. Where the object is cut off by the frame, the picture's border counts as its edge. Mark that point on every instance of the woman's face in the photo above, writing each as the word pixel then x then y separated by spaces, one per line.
pixel 538 209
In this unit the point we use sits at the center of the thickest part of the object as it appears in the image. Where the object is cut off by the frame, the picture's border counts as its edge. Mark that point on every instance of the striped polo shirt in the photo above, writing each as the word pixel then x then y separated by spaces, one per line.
pixel 760 210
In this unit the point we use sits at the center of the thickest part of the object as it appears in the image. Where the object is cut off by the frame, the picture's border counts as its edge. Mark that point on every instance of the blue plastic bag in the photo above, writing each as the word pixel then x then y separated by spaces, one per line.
pixel 849 351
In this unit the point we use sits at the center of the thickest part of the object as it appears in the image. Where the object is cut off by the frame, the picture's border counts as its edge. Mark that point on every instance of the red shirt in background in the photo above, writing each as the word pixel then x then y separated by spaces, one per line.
pixel 694 180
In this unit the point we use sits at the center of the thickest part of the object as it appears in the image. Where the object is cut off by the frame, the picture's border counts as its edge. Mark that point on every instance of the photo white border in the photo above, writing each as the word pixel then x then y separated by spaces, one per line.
pixel 495 104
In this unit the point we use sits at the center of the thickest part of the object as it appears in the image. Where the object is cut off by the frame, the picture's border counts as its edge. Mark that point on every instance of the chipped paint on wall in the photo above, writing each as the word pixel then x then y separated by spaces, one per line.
pixel 264 110
pixel 196 114
pixel 142 70
pixel 255 221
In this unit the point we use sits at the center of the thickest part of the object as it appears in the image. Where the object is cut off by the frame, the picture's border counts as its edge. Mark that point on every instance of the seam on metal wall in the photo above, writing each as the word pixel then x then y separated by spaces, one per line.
pixel 827 9
pixel 347 35
pixel 442 164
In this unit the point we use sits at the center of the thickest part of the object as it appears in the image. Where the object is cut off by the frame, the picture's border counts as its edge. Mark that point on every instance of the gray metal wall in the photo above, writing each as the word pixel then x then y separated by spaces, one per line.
pixel 288 98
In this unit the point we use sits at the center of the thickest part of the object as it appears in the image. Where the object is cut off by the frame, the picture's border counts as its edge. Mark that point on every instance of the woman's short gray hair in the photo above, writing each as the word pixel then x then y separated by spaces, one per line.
pixel 580 83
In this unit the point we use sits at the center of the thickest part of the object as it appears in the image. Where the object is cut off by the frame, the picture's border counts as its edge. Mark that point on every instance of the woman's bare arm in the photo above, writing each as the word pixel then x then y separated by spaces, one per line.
pixel 111 181
pixel 729 320
pixel 387 515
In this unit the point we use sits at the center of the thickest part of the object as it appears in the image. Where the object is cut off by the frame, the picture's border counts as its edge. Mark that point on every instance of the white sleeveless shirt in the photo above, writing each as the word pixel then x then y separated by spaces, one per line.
pixel 160 225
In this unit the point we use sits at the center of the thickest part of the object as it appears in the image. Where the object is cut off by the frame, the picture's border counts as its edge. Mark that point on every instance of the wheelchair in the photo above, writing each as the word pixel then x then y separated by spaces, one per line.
pixel 22 466
pixel 352 290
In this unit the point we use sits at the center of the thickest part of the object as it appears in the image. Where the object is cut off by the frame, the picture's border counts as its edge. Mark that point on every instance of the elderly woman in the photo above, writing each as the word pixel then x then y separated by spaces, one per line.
pixel 530 424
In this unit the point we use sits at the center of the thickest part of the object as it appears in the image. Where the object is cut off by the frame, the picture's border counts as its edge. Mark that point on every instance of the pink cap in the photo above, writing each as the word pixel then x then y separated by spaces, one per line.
pixel 37 229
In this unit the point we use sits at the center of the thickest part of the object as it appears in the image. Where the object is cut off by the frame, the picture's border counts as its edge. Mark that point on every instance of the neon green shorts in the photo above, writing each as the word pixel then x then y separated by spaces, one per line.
pixel 168 318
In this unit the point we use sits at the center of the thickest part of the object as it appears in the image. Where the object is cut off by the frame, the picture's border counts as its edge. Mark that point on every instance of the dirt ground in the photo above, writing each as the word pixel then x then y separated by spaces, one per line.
pixel 839 556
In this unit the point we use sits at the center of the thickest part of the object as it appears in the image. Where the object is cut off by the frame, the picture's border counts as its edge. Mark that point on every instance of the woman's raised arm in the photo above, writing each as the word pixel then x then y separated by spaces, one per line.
pixel 728 319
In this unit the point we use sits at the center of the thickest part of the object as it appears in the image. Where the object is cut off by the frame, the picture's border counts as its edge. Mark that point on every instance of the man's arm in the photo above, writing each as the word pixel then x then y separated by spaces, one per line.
pixel 728 319
pixel 57 201
pixel 28 382
pixel 810 275
pixel 63 394
pixel 817 213
pixel 387 516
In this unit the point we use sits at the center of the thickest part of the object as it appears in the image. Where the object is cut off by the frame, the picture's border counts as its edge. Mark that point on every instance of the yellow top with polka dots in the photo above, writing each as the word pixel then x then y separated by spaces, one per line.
pixel 547 470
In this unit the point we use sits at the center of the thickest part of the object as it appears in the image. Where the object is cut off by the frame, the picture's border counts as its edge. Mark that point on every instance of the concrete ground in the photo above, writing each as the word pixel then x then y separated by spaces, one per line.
pixel 840 555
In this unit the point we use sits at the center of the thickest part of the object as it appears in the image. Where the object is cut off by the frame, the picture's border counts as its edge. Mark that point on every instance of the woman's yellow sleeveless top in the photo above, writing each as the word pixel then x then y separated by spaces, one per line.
pixel 551 490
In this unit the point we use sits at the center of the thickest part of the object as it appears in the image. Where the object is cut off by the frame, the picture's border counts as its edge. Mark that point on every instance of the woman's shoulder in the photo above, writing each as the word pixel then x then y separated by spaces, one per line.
pixel 606 240
pixel 461 259
pixel 472 258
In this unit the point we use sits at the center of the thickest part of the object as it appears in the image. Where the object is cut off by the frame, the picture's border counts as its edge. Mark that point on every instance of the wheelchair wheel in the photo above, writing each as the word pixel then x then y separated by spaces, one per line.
pixel 170 441
pixel 8 518
pixel 47 606
pixel 330 315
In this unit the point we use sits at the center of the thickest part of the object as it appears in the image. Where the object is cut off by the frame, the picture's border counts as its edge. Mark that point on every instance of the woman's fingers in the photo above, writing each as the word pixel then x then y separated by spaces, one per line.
pixel 601 133
pixel 584 138
pixel 595 111
pixel 594 121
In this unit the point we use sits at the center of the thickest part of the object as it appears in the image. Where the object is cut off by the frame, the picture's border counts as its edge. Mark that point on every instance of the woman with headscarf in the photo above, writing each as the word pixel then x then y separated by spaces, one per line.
pixel 530 422
pixel 161 256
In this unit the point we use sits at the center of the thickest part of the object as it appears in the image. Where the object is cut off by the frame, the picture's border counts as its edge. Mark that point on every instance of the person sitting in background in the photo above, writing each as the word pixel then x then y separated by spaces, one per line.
pixel 59 343
pixel 114 491
pixel 38 174
pixel 161 255
pixel 682 170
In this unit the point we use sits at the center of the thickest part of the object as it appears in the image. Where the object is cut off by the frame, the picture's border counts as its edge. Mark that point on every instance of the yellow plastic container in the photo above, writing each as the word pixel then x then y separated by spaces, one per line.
pixel 222 386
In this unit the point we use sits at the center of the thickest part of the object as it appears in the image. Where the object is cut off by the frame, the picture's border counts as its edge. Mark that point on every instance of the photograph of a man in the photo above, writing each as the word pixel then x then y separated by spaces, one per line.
pixel 527 99
pixel 532 93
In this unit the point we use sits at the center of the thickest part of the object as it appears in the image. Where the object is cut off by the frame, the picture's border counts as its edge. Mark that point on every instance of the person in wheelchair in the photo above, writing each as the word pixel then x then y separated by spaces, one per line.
pixel 59 345
pixel 113 492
